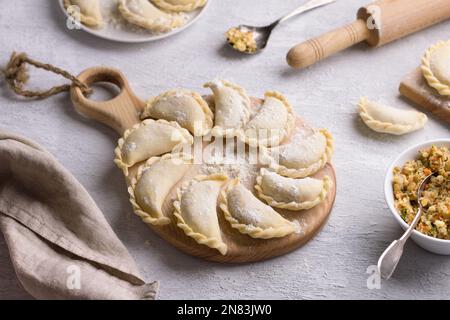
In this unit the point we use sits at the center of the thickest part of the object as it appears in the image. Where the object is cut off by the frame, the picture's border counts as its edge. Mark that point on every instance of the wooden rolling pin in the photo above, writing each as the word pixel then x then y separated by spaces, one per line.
pixel 378 23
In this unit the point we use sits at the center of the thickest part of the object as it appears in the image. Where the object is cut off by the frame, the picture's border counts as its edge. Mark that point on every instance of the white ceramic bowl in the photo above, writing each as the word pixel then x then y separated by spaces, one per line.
pixel 431 244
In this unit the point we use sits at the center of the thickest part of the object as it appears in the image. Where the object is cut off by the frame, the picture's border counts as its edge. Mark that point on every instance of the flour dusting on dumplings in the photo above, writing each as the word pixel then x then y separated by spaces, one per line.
pixel 152 184
pixel 179 5
pixel 292 194
pixel 186 107
pixel 216 199
pixel 144 14
pixel 196 210
pixel 87 11
pixel 271 123
pixel 148 139
pixel 232 107
pixel 306 153
pixel 249 215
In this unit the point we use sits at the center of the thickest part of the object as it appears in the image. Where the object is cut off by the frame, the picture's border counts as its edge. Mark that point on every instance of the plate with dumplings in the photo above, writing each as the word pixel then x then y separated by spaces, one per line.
pixel 218 174
pixel 132 21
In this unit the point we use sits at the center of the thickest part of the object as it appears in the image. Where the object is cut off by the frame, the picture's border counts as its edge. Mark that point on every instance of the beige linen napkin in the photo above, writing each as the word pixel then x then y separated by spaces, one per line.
pixel 60 244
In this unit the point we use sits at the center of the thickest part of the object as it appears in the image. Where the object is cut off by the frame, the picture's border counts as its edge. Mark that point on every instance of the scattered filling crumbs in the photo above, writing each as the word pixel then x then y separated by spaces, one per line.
pixel 243 41
pixel 435 220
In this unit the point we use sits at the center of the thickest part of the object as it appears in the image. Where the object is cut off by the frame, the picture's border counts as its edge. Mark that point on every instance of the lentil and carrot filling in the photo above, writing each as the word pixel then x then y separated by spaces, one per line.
pixel 435 220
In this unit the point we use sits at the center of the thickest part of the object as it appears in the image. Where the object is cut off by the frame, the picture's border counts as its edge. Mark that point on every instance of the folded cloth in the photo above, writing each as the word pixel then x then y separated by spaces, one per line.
pixel 61 245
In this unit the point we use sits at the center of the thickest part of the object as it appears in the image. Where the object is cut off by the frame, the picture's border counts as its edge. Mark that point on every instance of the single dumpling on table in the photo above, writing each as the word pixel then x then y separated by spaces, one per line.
pixel 386 119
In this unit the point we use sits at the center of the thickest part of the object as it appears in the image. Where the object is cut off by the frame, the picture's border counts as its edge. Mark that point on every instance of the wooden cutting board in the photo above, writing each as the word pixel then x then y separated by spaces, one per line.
pixel 122 112
pixel 415 88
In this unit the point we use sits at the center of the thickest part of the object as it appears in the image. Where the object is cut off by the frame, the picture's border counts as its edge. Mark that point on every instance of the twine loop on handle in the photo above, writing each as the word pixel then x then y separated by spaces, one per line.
pixel 16 76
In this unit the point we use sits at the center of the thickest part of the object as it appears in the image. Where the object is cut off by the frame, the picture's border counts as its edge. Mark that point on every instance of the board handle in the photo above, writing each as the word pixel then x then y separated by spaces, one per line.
pixel 119 113
pixel 311 51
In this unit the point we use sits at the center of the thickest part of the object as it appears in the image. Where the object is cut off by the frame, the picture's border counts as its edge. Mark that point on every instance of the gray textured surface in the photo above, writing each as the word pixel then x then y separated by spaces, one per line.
pixel 332 265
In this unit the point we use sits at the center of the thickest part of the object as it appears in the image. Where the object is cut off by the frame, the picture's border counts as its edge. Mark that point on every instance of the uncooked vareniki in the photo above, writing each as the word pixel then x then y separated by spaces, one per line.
pixel 144 14
pixel 249 215
pixel 152 184
pixel 232 107
pixel 386 119
pixel 306 153
pixel 196 210
pixel 179 5
pixel 183 106
pixel 148 139
pixel 289 193
pixel 436 67
pixel 88 10
pixel 273 121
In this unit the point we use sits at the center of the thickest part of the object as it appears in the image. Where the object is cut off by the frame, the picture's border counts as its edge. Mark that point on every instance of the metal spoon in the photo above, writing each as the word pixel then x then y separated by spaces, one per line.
pixel 391 256
pixel 262 34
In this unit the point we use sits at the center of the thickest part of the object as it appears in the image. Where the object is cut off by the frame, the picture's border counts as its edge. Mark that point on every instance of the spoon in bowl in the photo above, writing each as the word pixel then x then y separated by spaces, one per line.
pixel 251 39
pixel 391 256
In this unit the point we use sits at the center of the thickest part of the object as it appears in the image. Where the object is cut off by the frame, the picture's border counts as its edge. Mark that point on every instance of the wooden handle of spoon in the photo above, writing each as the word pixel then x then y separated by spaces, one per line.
pixel 309 52
pixel 119 113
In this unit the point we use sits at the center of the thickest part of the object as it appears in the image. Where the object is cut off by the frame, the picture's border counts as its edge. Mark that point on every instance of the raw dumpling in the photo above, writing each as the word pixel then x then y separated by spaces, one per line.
pixel 307 152
pixel 183 106
pixel 148 139
pixel 196 210
pixel 232 107
pixel 144 14
pixel 152 184
pixel 179 5
pixel 291 194
pixel 89 10
pixel 249 215
pixel 272 122
pixel 386 119
pixel 436 67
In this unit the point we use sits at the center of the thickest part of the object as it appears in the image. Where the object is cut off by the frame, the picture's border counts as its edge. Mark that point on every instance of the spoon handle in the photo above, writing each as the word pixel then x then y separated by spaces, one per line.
pixel 416 220
pixel 306 7
pixel 413 225
pixel 391 256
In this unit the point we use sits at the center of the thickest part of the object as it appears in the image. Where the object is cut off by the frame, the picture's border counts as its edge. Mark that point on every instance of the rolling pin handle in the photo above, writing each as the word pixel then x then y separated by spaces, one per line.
pixel 311 51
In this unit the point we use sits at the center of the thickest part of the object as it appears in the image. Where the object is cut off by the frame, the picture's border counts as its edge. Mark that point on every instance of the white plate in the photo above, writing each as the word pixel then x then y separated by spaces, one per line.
pixel 431 244
pixel 135 34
